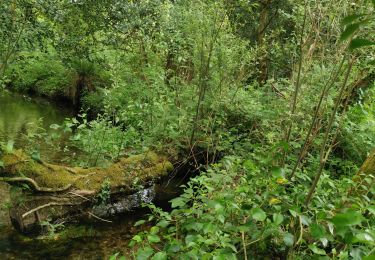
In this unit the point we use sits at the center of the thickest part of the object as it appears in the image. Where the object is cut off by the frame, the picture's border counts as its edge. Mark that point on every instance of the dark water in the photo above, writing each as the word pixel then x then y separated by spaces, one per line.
pixel 20 116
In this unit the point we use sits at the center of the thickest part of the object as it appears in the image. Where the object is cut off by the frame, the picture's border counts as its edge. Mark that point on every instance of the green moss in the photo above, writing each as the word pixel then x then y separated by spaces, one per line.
pixel 144 167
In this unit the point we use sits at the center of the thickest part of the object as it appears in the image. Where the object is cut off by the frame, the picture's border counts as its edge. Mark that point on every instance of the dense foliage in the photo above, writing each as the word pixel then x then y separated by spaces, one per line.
pixel 278 95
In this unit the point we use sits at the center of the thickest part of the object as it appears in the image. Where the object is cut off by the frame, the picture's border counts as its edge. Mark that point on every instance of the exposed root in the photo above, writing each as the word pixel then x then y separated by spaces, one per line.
pixel 34 185
pixel 78 195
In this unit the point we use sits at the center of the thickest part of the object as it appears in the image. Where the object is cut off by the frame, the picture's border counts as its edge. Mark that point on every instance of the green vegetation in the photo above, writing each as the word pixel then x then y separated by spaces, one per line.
pixel 272 101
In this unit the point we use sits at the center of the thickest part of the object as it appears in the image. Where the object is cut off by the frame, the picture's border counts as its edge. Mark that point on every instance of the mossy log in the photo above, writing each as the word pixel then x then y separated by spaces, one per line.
pixel 50 192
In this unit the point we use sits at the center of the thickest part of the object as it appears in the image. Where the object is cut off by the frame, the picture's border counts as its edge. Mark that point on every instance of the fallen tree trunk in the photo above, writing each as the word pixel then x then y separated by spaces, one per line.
pixel 52 193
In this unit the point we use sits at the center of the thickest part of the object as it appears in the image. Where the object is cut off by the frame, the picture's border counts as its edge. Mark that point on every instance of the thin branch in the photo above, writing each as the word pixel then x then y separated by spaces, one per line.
pixel 298 81
pixel 316 115
pixel 99 218
pixel 51 204
pixel 323 156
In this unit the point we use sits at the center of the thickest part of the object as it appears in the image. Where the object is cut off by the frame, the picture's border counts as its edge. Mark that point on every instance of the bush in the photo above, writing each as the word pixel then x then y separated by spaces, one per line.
pixel 42 74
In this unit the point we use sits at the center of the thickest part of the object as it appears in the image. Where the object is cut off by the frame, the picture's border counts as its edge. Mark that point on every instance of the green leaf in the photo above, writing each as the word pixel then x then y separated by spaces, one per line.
pixel 351 18
pixel 114 257
pixel 356 253
pixel 139 222
pixel 369 257
pixel 160 256
pixel 163 223
pixel 350 218
pixel 317 250
pixel 36 156
pixel 317 231
pixel 371 209
pixel 137 238
pixel 144 253
pixel 359 43
pixel 191 240
pixel 258 214
pixel 9 146
pixel 277 172
pixel 288 239
pixel 173 247
pixel 277 218
pixel 178 202
pixel 154 230
pixel 54 126
pixel 349 31
pixel 215 204
pixel 364 238
pixel 209 228
pixel 2 165
pixel 153 238
pixel 221 218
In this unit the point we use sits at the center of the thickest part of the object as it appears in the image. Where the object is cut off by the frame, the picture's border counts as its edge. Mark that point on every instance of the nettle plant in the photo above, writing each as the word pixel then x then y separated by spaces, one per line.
pixel 238 209
pixel 101 140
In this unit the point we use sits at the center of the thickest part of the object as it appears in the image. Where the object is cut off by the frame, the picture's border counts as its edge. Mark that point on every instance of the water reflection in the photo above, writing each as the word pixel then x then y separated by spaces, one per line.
pixel 20 114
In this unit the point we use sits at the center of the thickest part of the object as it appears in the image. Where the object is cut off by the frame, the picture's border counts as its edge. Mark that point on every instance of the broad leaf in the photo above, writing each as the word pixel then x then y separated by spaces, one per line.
pixel 258 214
pixel 359 43
pixel 153 238
pixel 178 202
pixel 114 257
pixel 349 218
pixel 9 146
pixel 277 218
pixel 351 18
pixel 370 257
pixel 288 239
pixel 140 222
pixel 160 256
pixel 317 231
pixel 317 250
pixel 349 31
pixel 144 253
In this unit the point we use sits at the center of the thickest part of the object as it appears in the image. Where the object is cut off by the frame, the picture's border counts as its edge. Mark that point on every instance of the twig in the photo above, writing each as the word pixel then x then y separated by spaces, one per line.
pixel 244 240
pixel 278 92
pixel 46 206
pixel 301 231
pixel 102 219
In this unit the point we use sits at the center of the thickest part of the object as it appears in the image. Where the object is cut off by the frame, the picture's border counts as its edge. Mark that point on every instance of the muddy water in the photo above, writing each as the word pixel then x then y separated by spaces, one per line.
pixel 20 115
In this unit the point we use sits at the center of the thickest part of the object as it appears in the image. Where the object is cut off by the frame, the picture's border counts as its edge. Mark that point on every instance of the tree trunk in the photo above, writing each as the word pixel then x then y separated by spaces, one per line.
pixel 50 192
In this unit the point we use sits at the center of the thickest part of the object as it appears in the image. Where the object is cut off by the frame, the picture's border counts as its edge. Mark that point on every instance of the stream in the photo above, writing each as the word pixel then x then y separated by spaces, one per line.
pixel 21 115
